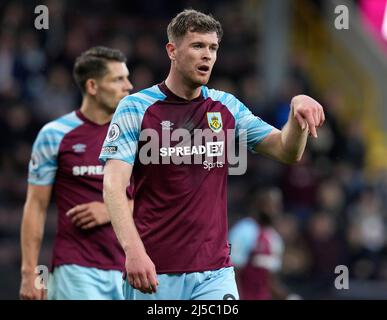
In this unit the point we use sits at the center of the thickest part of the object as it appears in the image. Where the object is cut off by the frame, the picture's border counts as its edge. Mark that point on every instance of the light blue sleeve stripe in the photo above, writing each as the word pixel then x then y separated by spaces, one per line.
pixel 139 100
pixel 255 127
pixel 205 92
pixel 132 110
pixel 53 132
pixel 45 179
pixel 243 237
pixel 128 119
pixel 47 144
pixel 68 122
pixel 43 164
pixel 154 93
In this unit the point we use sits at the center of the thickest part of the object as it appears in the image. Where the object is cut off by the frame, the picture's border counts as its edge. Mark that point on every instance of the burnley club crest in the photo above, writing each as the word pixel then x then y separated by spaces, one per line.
pixel 215 121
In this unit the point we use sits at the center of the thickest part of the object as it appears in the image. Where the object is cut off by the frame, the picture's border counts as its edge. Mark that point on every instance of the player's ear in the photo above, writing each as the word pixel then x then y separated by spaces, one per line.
pixel 171 50
pixel 91 87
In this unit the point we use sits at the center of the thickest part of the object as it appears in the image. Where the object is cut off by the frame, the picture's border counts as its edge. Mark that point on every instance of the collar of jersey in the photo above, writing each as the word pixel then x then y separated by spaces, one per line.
pixel 171 97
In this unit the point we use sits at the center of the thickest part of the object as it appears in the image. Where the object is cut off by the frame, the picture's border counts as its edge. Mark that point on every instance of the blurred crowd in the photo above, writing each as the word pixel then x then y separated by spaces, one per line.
pixel 332 213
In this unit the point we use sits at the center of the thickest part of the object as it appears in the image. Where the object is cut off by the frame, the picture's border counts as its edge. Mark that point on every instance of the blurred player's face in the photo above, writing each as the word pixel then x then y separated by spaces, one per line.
pixel 113 86
pixel 194 56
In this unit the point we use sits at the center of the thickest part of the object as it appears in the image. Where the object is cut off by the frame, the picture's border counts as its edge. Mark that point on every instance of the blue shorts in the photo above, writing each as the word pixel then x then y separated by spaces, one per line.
pixel 208 285
pixel 73 282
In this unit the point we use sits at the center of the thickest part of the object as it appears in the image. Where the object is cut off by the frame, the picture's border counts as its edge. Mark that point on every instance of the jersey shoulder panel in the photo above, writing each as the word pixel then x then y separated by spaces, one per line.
pixel 43 163
pixel 250 128
pixel 122 139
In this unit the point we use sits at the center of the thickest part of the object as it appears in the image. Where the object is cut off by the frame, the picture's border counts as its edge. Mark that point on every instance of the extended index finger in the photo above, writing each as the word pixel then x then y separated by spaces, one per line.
pixel 311 123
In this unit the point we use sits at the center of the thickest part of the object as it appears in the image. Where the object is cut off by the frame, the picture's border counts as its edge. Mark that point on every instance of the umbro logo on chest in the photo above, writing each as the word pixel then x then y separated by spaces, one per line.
pixel 166 125
pixel 79 148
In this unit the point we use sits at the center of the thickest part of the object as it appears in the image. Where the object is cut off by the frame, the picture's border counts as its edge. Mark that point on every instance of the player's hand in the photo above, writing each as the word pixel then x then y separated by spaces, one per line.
pixel 308 113
pixel 28 290
pixel 141 272
pixel 89 215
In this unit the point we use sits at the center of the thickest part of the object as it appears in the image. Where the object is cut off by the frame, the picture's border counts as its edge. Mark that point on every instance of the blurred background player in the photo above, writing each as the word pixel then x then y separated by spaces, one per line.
pixel 87 258
pixel 257 249
pixel 177 235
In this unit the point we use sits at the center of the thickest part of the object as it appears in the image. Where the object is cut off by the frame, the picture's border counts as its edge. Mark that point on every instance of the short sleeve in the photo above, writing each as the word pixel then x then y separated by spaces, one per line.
pixel 43 164
pixel 121 142
pixel 243 236
pixel 246 123
pixel 255 128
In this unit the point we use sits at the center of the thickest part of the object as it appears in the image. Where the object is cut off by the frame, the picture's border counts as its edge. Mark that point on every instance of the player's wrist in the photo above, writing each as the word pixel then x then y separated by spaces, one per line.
pixel 27 272
pixel 133 249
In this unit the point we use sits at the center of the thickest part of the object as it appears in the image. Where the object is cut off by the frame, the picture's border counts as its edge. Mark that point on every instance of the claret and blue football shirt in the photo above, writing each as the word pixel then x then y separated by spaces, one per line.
pixel 180 210
pixel 65 155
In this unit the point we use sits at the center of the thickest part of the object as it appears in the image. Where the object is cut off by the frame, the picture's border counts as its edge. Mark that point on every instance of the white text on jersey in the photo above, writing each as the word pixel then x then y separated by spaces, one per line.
pixel 87 170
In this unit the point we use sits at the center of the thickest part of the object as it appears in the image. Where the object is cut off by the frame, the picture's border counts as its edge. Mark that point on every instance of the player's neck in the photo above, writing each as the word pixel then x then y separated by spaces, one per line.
pixel 180 88
pixel 95 113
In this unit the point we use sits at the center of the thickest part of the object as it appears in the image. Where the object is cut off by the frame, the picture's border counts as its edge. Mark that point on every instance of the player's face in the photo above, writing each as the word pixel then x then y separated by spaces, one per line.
pixel 195 55
pixel 113 86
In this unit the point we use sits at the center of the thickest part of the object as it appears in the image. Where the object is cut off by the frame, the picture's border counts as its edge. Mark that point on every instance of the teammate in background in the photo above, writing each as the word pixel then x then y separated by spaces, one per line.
pixel 175 241
pixel 87 258
pixel 257 249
